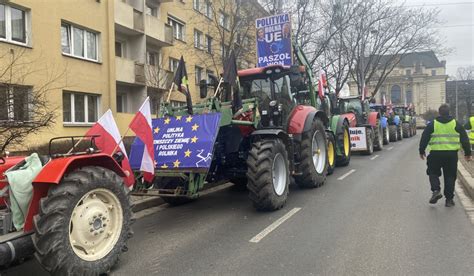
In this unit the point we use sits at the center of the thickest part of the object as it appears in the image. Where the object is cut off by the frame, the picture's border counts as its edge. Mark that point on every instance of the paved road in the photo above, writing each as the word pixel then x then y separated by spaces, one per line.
pixel 376 220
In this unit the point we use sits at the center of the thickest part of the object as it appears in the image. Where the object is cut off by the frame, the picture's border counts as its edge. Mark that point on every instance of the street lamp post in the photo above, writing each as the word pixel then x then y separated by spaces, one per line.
pixel 457 115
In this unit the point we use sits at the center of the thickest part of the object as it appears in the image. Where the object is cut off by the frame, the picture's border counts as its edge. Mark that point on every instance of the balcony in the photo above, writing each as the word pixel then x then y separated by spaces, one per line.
pixel 158 32
pixel 127 18
pixel 158 77
pixel 129 71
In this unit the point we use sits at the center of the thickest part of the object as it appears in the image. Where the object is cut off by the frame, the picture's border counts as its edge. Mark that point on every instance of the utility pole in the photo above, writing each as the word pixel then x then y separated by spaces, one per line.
pixel 456 93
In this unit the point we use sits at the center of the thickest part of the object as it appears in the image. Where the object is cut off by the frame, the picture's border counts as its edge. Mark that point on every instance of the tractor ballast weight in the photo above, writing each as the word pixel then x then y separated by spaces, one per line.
pixel 59 223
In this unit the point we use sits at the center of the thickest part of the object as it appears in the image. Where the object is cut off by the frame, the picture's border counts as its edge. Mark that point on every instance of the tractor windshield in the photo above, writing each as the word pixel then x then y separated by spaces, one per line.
pixel 399 111
pixel 352 105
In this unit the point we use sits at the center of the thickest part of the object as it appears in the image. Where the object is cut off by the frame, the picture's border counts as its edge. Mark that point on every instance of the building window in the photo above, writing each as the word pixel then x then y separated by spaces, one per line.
pixel 196 5
pixel 209 44
pixel 224 20
pixel 408 72
pixel 152 58
pixel 12 24
pixel 433 73
pixel 80 107
pixel 224 50
pixel 209 72
pixel 151 10
pixel 119 48
pixel 178 28
pixel 208 9
pixel 173 64
pixel 122 102
pixel 79 42
pixel 409 97
pixel 14 103
pixel 198 74
pixel 198 39
pixel 396 94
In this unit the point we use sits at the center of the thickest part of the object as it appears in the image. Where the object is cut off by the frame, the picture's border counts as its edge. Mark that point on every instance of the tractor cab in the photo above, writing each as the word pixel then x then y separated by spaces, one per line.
pixel 273 87
pixel 354 105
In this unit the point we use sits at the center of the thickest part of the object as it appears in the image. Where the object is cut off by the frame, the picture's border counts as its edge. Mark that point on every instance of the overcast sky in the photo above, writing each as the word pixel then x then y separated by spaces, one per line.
pixel 457 29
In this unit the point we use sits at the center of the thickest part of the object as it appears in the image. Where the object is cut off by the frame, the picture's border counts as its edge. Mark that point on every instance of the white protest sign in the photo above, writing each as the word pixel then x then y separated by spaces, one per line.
pixel 358 138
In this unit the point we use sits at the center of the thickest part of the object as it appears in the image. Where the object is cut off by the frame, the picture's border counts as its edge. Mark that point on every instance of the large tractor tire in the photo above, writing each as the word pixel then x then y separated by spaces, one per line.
pixel 331 153
pixel 345 142
pixel 406 130
pixel 268 174
pixel 314 155
pixel 399 133
pixel 171 183
pixel 386 136
pixel 370 142
pixel 378 139
pixel 392 133
pixel 83 223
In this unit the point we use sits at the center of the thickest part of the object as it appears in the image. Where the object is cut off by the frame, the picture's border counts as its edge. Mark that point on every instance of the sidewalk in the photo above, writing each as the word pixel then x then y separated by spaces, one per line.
pixel 466 175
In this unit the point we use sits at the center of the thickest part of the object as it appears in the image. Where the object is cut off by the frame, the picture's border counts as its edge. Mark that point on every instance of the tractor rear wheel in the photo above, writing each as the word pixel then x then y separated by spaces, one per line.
pixel 168 185
pixel 268 174
pixel 344 142
pixel 392 133
pixel 331 153
pixel 370 142
pixel 313 164
pixel 406 130
pixel 83 223
pixel 378 140
pixel 386 137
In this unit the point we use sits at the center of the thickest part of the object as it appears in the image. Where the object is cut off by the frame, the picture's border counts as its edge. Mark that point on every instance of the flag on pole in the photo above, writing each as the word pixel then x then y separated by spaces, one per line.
pixel 322 83
pixel 384 100
pixel 109 138
pixel 231 77
pixel 181 77
pixel 141 125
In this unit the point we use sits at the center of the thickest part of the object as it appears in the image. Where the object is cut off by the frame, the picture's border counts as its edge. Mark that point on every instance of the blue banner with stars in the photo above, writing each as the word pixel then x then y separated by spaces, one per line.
pixel 181 142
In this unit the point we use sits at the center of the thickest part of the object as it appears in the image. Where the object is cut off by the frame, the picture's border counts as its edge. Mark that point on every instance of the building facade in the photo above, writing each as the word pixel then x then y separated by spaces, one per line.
pixel 459 96
pixel 419 79
pixel 112 54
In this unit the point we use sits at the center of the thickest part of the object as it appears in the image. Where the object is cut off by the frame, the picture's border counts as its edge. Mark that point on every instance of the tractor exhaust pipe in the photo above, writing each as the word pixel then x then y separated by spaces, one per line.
pixel 16 249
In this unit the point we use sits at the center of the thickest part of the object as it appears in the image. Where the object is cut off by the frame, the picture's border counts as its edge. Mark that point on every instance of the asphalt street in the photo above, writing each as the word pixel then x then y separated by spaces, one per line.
pixel 371 217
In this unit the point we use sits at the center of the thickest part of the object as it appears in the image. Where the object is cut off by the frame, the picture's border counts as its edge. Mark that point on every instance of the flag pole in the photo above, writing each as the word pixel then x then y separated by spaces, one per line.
pixel 218 86
pixel 121 140
pixel 169 93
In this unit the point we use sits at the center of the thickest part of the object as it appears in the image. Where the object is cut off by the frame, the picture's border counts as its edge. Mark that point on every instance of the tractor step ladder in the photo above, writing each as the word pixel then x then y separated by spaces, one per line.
pixel 5 221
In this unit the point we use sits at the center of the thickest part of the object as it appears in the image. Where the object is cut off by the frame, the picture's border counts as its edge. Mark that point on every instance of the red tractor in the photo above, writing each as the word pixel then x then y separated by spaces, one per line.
pixel 79 214
pixel 360 117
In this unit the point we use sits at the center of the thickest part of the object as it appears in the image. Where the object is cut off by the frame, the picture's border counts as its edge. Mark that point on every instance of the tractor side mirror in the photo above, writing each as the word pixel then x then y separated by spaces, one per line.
pixel 202 89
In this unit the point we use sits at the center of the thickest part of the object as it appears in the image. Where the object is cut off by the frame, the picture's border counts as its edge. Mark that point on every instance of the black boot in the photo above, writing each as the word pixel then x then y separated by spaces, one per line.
pixel 449 202
pixel 436 195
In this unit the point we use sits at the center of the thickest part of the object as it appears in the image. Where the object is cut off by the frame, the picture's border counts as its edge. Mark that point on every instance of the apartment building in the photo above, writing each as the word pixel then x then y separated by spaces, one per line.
pixel 65 50
pixel 105 54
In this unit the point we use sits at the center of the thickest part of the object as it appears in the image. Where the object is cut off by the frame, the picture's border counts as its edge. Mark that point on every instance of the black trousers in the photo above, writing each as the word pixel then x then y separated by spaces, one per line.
pixel 448 162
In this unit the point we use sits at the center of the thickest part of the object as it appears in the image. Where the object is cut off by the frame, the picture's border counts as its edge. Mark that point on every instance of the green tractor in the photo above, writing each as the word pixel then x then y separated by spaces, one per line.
pixel 407 120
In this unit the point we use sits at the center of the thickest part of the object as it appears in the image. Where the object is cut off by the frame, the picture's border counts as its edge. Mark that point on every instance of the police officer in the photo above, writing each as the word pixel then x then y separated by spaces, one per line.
pixel 469 126
pixel 444 136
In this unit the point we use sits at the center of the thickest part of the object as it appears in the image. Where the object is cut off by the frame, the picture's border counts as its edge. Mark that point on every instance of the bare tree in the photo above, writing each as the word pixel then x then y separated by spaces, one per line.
pixel 25 109
pixel 465 73
pixel 387 34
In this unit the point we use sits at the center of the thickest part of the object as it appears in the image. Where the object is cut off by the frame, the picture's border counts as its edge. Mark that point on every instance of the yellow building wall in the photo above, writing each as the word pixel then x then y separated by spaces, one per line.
pixel 45 58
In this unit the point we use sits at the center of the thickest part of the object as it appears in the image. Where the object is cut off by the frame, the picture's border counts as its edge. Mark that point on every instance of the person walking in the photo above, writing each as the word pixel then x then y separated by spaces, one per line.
pixel 444 136
pixel 469 126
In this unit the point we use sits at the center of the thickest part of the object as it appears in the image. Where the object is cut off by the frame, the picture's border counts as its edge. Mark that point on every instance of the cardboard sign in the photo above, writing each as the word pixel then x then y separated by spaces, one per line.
pixel 358 138
pixel 274 40
pixel 181 142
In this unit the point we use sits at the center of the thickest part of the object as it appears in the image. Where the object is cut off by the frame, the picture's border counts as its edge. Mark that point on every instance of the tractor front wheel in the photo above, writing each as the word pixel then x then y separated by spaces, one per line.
pixel 331 153
pixel 344 142
pixel 406 130
pixel 268 174
pixel 83 223
pixel 392 133
pixel 370 142
pixel 399 133
pixel 378 140
pixel 313 164
pixel 386 136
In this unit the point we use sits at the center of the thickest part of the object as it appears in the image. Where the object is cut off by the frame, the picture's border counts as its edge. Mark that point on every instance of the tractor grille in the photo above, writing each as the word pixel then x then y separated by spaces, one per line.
pixel 5 221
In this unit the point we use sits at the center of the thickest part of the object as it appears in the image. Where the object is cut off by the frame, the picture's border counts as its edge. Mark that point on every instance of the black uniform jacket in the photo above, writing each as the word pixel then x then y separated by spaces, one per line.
pixel 426 136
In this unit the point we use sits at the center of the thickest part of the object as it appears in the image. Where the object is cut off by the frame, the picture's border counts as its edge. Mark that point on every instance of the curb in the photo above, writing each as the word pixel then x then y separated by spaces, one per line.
pixel 145 202
pixel 466 180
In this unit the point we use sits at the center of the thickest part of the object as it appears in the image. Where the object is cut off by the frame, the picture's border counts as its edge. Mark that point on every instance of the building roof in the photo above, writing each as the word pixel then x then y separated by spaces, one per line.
pixel 428 59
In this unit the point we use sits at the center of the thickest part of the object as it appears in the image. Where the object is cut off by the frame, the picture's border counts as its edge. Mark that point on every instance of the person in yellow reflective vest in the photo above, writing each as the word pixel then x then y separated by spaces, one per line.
pixel 469 126
pixel 444 136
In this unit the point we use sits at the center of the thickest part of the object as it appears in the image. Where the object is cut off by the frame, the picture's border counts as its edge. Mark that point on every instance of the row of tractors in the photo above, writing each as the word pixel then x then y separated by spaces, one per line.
pixel 284 131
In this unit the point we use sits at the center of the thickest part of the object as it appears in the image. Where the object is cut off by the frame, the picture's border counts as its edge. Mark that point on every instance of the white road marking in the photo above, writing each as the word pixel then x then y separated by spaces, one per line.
pixel 346 174
pixel 372 158
pixel 390 148
pixel 274 225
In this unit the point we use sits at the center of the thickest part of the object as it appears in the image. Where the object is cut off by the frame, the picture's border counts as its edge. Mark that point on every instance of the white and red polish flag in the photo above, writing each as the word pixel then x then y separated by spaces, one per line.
pixel 384 100
pixel 322 83
pixel 141 125
pixel 109 138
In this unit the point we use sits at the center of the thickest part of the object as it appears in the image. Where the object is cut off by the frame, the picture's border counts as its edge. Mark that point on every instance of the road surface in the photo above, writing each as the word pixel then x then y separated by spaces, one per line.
pixel 372 217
